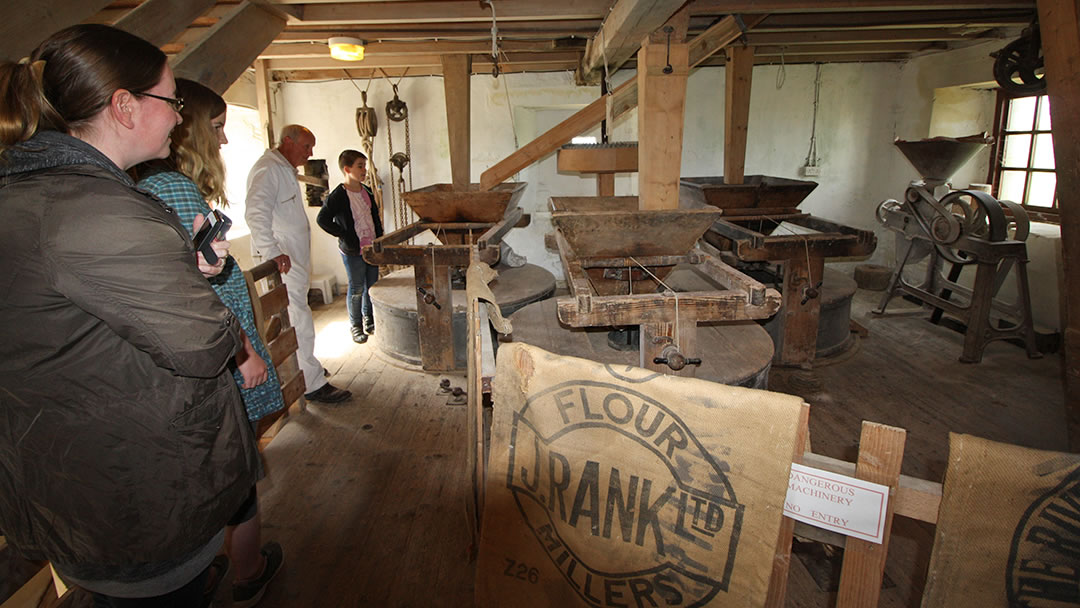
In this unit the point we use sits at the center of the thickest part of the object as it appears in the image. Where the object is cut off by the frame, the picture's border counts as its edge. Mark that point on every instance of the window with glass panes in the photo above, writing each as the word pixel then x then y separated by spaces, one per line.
pixel 1024 172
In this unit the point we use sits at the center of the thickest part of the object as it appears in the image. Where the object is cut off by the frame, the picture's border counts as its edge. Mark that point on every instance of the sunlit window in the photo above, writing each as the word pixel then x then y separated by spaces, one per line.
pixel 245 146
pixel 1024 149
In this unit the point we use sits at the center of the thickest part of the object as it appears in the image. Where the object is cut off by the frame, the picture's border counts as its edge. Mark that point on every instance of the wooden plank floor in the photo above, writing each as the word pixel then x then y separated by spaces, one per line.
pixel 368 497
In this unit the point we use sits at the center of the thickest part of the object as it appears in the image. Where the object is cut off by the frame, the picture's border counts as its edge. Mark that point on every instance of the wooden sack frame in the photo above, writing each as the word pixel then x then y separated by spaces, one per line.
pixel 270 303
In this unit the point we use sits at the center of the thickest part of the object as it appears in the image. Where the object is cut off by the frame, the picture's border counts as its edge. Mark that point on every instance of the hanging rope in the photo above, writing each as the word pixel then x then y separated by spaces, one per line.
pixel 367 125
pixel 781 74
pixel 675 338
pixel 609 105
pixel 494 39
pixel 811 154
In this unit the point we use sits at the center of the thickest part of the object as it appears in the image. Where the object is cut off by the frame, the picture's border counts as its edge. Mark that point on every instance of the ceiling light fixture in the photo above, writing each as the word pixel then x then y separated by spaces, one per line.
pixel 346 48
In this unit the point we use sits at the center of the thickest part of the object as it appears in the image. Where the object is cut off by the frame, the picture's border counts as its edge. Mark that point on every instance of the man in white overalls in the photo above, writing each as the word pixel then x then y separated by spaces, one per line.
pixel 280 231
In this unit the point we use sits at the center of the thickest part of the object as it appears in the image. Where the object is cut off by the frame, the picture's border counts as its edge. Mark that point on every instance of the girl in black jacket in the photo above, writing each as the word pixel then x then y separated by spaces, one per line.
pixel 350 214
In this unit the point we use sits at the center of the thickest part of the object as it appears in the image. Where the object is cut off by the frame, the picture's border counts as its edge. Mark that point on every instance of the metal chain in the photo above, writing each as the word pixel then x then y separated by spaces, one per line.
pixel 408 152
pixel 398 217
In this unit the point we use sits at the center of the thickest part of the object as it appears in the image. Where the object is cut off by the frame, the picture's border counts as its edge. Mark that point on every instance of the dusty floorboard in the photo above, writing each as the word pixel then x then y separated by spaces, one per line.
pixel 368 497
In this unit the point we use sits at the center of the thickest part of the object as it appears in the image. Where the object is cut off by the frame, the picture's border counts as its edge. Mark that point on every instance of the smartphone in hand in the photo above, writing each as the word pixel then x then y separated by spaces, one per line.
pixel 213 228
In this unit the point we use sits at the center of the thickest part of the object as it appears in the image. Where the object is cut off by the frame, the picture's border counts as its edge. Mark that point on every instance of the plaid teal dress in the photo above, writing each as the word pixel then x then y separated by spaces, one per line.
pixel 180 193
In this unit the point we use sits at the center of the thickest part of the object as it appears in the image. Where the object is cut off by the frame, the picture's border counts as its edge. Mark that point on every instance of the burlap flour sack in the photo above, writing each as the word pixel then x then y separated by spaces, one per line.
pixel 622 487
pixel 1008 531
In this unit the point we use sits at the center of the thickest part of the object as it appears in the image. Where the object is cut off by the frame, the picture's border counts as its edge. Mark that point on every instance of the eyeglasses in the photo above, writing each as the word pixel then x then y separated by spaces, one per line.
pixel 176 102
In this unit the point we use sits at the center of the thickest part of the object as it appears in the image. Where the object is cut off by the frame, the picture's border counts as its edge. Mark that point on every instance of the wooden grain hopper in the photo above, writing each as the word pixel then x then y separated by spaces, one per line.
pixel 756 192
pixel 620 245
pixel 441 203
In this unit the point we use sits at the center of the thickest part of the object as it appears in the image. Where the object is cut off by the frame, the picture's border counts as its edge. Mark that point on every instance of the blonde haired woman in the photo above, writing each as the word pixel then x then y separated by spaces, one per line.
pixel 191 181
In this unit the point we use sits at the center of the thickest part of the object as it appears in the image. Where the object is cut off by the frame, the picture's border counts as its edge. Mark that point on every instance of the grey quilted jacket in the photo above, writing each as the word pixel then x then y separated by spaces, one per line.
pixel 123 438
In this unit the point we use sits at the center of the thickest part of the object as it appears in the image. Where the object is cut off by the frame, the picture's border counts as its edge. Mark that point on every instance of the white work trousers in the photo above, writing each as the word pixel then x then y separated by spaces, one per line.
pixel 297 281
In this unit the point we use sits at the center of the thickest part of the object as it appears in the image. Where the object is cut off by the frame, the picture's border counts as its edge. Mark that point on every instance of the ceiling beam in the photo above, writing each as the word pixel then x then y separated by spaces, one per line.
pixel 897 35
pixel 620 36
pixel 24 25
pixel 564 27
pixel 849 49
pixel 798 6
pixel 410 61
pixel 442 47
pixel 428 11
pixel 898 19
pixel 159 21
pixel 720 35
pixel 229 47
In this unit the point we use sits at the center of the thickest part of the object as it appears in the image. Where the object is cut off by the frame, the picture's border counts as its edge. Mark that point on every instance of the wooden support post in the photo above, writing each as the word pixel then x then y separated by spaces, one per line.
pixel 262 99
pixel 456 71
pixel 663 68
pixel 881 453
pixel 476 322
pixel 605 184
pixel 435 323
pixel 799 325
pixel 782 558
pixel 1059 21
pixel 624 99
pixel 655 337
pixel 739 74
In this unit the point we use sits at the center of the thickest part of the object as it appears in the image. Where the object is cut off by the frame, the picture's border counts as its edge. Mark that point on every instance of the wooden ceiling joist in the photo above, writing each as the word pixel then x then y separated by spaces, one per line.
pixel 402 61
pixel 481 66
pixel 915 19
pixel 450 10
pixel 159 21
pixel 441 47
pixel 229 47
pixel 620 36
pixel 879 35
pixel 23 26
pixel 849 49
pixel 800 6
pixel 398 31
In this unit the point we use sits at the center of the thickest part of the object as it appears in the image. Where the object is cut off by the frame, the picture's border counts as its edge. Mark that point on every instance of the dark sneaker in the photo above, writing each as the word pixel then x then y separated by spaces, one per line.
pixel 328 394
pixel 358 335
pixel 369 326
pixel 248 593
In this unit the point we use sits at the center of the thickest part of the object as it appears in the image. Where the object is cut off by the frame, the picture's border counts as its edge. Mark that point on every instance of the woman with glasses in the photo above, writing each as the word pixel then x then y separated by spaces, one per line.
pixel 190 180
pixel 124 446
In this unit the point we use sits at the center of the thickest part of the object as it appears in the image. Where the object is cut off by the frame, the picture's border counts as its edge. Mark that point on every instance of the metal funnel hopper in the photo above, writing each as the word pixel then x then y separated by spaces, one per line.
pixel 937 159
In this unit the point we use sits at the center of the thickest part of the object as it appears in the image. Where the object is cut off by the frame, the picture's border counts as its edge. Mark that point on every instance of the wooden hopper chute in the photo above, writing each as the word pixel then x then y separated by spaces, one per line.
pixel 616 256
pixel 614 240
pixel 441 203
pixel 761 223
pixel 757 193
